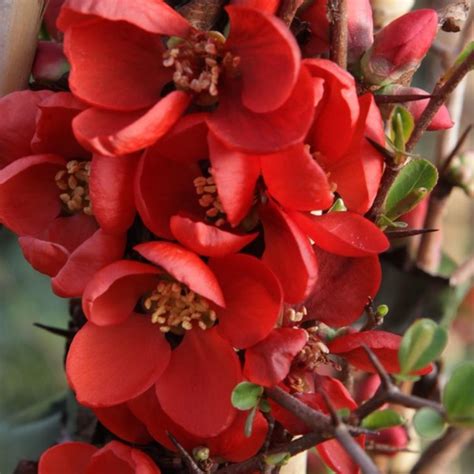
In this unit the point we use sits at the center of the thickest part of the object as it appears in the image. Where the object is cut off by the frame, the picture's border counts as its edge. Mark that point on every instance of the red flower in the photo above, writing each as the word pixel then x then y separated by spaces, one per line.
pixel 182 297
pixel 333 454
pixel 337 138
pixel 83 458
pixel 47 187
pixel 121 69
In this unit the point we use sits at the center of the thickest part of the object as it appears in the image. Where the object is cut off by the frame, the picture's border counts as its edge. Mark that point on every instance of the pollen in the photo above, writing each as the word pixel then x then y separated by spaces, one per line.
pixel 313 354
pixel 175 308
pixel 74 185
pixel 206 189
pixel 198 62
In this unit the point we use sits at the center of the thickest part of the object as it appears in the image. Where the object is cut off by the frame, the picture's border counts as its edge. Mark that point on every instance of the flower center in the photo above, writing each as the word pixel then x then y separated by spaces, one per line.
pixel 198 63
pixel 74 184
pixel 176 308
pixel 207 190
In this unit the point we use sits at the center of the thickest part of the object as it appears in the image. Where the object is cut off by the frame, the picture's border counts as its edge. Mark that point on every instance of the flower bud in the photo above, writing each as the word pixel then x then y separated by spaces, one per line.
pixel 461 172
pixel 50 63
pixel 399 48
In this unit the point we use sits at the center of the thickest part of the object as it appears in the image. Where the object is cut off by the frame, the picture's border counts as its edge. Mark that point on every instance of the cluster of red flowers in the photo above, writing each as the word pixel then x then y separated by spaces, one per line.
pixel 225 155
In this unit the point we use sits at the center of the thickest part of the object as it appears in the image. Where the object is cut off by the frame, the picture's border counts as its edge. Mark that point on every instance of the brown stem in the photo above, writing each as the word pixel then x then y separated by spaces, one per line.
pixel 395 99
pixel 440 95
pixel 338 33
pixel 185 456
pixel 463 273
pixel 287 10
pixel 440 454
pixel 202 14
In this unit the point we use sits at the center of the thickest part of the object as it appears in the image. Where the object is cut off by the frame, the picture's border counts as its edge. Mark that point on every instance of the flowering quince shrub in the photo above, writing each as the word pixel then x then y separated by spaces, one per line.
pixel 218 197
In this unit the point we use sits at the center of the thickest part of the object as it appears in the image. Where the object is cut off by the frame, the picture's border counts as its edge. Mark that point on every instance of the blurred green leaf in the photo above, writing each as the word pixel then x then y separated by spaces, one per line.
pixel 246 395
pixel 414 181
pixel 458 396
pixel 429 423
pixel 277 459
pixel 248 428
pixel 401 127
pixel 423 343
pixel 382 419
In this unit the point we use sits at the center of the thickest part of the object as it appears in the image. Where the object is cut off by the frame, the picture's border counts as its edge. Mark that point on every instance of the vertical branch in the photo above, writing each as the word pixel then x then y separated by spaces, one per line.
pixel 19 26
pixel 338 35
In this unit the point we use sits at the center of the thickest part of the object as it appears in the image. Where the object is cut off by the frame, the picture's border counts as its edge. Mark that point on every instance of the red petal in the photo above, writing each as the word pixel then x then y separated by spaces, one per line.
pixel 29 196
pixel 296 180
pixel 118 133
pixel 208 364
pixel 163 188
pixel 149 15
pixel 233 445
pixel 147 408
pixel 72 458
pixel 337 458
pixel 267 6
pixel 207 239
pixel 18 124
pixel 288 253
pixel 338 113
pixel 253 298
pixel 240 128
pixel 121 421
pixel 54 126
pixel 268 362
pixel 384 344
pixel 343 288
pixel 236 176
pixel 111 191
pixel 185 266
pixel 94 254
pixel 267 49
pixel 113 292
pixel 130 80
pixel 45 257
pixel 343 233
pixel 100 356
pixel 118 458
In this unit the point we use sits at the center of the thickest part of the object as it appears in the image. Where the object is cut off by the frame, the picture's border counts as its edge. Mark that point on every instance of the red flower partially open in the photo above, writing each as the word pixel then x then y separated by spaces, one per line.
pixel 83 458
pixel 46 191
pixel 182 296
pixel 125 60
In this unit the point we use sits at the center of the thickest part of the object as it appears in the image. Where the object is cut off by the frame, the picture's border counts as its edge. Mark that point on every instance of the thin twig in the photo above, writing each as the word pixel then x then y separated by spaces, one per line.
pixel 287 10
pixel 202 14
pixel 338 32
pixel 395 99
pixel 463 273
pixel 455 150
pixel 185 456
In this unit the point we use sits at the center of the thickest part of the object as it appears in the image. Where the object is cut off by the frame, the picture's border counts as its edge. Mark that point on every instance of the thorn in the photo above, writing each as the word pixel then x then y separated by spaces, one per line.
pixel 186 457
pixel 57 331
pixel 401 233
pixel 396 99
pixel 387 154
pixel 335 418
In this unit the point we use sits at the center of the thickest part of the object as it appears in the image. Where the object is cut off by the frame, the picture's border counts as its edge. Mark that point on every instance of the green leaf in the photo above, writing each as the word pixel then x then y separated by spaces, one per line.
pixel 338 206
pixel 277 459
pixel 402 125
pixel 248 428
pixel 246 395
pixel 343 412
pixel 423 343
pixel 458 396
pixel 414 181
pixel 382 419
pixel 264 406
pixel 429 423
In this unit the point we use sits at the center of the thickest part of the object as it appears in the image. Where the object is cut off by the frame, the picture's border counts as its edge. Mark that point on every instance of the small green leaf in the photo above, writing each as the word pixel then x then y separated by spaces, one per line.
pixel 382 310
pixel 246 395
pixel 429 423
pixel 277 459
pixel 383 222
pixel 402 125
pixel 458 396
pixel 423 343
pixel 414 181
pixel 248 428
pixel 264 406
pixel 338 206
pixel 343 412
pixel 382 419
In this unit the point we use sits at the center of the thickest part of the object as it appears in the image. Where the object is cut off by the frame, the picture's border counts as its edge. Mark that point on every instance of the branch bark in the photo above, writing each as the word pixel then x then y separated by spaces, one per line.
pixel 338 33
